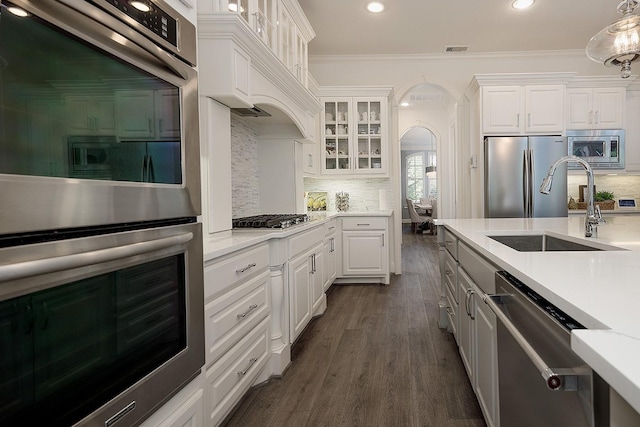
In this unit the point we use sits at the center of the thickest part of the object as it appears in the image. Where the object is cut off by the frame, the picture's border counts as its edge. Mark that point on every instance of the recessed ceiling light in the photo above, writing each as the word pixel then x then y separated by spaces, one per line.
pixel 17 11
pixel 522 4
pixel 375 7
pixel 404 104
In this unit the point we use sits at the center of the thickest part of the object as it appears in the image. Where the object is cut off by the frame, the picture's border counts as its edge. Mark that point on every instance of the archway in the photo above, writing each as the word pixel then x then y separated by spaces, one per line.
pixel 418 166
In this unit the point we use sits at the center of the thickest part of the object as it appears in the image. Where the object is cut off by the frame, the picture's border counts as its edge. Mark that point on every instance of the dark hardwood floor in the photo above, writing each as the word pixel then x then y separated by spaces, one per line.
pixel 375 358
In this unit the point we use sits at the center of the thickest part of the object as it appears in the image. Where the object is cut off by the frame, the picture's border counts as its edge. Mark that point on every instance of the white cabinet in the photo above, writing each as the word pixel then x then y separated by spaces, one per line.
pixel 305 268
pixel 167 113
pixel 180 412
pixel 135 111
pixel 329 253
pixel 91 114
pixel 237 318
pixel 522 109
pixel 305 288
pixel 595 108
pixel 148 114
pixel 365 247
pixel 355 136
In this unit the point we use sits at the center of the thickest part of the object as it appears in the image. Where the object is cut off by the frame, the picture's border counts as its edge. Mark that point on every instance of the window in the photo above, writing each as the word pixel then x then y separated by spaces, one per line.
pixel 415 176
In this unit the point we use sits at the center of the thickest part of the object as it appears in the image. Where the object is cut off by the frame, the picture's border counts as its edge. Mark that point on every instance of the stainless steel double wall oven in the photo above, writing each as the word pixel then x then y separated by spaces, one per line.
pixel 101 294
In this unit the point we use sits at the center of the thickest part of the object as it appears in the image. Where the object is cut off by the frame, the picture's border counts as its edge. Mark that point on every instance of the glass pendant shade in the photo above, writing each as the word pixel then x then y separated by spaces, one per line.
pixel 619 43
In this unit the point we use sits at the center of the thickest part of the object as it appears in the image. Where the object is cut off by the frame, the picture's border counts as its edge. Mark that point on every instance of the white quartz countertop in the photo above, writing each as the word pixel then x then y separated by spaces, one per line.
pixel 600 289
pixel 225 242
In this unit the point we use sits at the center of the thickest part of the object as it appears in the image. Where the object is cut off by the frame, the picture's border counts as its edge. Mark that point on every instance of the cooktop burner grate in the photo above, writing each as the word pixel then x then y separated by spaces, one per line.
pixel 270 221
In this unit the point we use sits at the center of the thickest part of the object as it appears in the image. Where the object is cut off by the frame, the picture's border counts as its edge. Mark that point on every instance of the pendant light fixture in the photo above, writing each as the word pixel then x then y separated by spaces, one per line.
pixel 618 43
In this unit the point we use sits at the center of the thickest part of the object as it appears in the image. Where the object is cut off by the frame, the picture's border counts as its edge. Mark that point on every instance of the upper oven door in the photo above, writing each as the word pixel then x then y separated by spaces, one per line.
pixel 74 70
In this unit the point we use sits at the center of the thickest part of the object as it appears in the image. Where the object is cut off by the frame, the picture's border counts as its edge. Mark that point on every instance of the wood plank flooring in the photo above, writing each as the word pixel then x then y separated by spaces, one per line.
pixel 375 358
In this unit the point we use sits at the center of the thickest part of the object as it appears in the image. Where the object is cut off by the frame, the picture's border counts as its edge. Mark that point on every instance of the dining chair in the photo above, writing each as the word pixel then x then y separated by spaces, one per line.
pixel 416 219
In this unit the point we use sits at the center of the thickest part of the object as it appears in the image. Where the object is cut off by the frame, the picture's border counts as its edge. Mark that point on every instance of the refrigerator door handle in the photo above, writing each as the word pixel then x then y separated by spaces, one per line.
pixel 526 184
pixel 532 184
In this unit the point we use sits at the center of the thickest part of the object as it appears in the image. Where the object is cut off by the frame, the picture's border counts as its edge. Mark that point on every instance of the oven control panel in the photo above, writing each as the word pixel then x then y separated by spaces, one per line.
pixel 151 17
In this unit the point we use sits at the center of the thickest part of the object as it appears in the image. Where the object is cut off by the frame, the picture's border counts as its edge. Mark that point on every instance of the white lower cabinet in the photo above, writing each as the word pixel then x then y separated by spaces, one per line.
pixel 237 320
pixel 365 248
pixel 477 341
pixel 329 254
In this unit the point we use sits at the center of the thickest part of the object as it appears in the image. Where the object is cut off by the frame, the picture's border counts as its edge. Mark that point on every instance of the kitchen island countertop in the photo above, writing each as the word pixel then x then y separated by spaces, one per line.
pixel 600 289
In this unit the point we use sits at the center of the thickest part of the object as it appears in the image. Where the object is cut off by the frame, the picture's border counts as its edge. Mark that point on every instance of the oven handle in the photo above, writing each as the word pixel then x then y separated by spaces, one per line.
pixel 556 379
pixel 25 269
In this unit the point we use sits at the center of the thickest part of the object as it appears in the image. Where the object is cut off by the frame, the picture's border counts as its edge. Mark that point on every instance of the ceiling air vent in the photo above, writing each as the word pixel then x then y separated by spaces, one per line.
pixel 250 112
pixel 456 48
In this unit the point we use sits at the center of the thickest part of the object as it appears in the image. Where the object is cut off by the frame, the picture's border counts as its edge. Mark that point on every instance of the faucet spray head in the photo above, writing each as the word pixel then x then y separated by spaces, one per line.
pixel 545 187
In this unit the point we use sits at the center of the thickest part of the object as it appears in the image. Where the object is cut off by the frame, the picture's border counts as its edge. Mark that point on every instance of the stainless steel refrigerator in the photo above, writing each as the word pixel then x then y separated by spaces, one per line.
pixel 514 169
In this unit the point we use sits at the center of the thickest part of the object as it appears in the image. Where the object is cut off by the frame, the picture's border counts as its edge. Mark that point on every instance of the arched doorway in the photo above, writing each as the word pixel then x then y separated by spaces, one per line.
pixel 418 157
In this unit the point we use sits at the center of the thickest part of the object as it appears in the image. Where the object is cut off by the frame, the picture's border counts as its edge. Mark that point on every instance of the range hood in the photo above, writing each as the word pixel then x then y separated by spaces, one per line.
pixel 250 112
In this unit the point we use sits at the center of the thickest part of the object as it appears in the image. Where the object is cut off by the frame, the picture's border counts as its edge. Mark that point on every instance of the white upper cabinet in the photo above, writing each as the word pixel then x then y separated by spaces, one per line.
pixel 595 108
pixel 89 114
pixel 522 109
pixel 355 136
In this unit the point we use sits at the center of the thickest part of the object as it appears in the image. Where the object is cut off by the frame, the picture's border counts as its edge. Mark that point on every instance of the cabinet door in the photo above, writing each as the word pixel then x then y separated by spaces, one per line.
pixel 309 156
pixel 317 277
pixel 135 114
pixel 299 294
pixel 364 253
pixel 608 107
pixel 78 112
pixel 167 113
pixel 104 115
pixel 465 319
pixel 486 355
pixel 544 107
pixel 578 112
pixel 501 109
pixel 336 146
pixel 370 135
pixel 329 255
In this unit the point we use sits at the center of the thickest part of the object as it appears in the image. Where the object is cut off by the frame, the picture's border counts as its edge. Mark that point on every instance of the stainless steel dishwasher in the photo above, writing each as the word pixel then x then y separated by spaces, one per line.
pixel 542 382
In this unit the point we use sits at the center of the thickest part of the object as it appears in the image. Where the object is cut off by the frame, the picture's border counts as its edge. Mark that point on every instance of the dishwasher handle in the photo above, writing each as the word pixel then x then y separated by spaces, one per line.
pixel 556 378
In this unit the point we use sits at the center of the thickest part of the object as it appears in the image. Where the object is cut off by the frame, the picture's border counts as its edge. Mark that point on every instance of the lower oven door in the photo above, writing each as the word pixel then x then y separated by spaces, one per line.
pixel 99 328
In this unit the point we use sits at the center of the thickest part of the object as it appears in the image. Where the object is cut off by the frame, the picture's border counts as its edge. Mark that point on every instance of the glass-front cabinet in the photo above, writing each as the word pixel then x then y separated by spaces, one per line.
pixel 355 136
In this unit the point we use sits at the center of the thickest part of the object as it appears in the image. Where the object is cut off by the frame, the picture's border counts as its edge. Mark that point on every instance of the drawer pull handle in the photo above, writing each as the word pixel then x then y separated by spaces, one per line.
pixel 251 362
pixel 246 313
pixel 363 225
pixel 242 270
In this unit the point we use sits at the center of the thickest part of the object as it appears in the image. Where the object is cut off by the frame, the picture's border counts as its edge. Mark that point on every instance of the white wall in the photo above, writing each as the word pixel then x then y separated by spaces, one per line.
pixel 365 194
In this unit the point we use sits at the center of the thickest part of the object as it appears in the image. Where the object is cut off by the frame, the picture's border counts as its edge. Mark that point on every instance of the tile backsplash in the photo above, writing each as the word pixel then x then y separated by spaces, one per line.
pixel 619 185
pixel 365 194
pixel 244 168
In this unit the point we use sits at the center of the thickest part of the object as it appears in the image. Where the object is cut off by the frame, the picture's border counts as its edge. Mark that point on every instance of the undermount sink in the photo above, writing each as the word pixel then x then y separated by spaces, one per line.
pixel 543 243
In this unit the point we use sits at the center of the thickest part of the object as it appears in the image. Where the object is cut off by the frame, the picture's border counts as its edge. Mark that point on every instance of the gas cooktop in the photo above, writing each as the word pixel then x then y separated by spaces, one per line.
pixel 270 221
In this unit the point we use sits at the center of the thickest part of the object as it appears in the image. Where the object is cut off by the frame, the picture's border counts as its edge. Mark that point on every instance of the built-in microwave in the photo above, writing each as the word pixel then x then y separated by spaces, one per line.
pixel 602 149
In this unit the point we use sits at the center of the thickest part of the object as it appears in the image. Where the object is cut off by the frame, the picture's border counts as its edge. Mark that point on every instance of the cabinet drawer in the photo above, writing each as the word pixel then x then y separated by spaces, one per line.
pixel 231 316
pixel 229 378
pixel 223 273
pixel 303 241
pixel 330 228
pixel 451 275
pixel 452 313
pixel 364 223
pixel 478 268
pixel 451 243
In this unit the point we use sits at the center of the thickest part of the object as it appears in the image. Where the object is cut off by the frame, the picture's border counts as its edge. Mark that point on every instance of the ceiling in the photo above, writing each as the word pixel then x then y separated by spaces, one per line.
pixel 344 27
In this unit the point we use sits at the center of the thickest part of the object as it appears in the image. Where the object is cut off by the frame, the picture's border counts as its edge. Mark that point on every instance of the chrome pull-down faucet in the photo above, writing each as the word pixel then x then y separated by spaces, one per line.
pixel 593 216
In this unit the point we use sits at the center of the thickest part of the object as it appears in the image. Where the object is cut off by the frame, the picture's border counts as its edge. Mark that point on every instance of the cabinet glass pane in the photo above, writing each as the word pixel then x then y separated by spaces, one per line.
pixel 55 88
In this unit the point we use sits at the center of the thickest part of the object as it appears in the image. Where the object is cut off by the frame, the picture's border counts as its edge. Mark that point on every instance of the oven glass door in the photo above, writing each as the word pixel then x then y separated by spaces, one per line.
pixel 74 339
pixel 89 106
